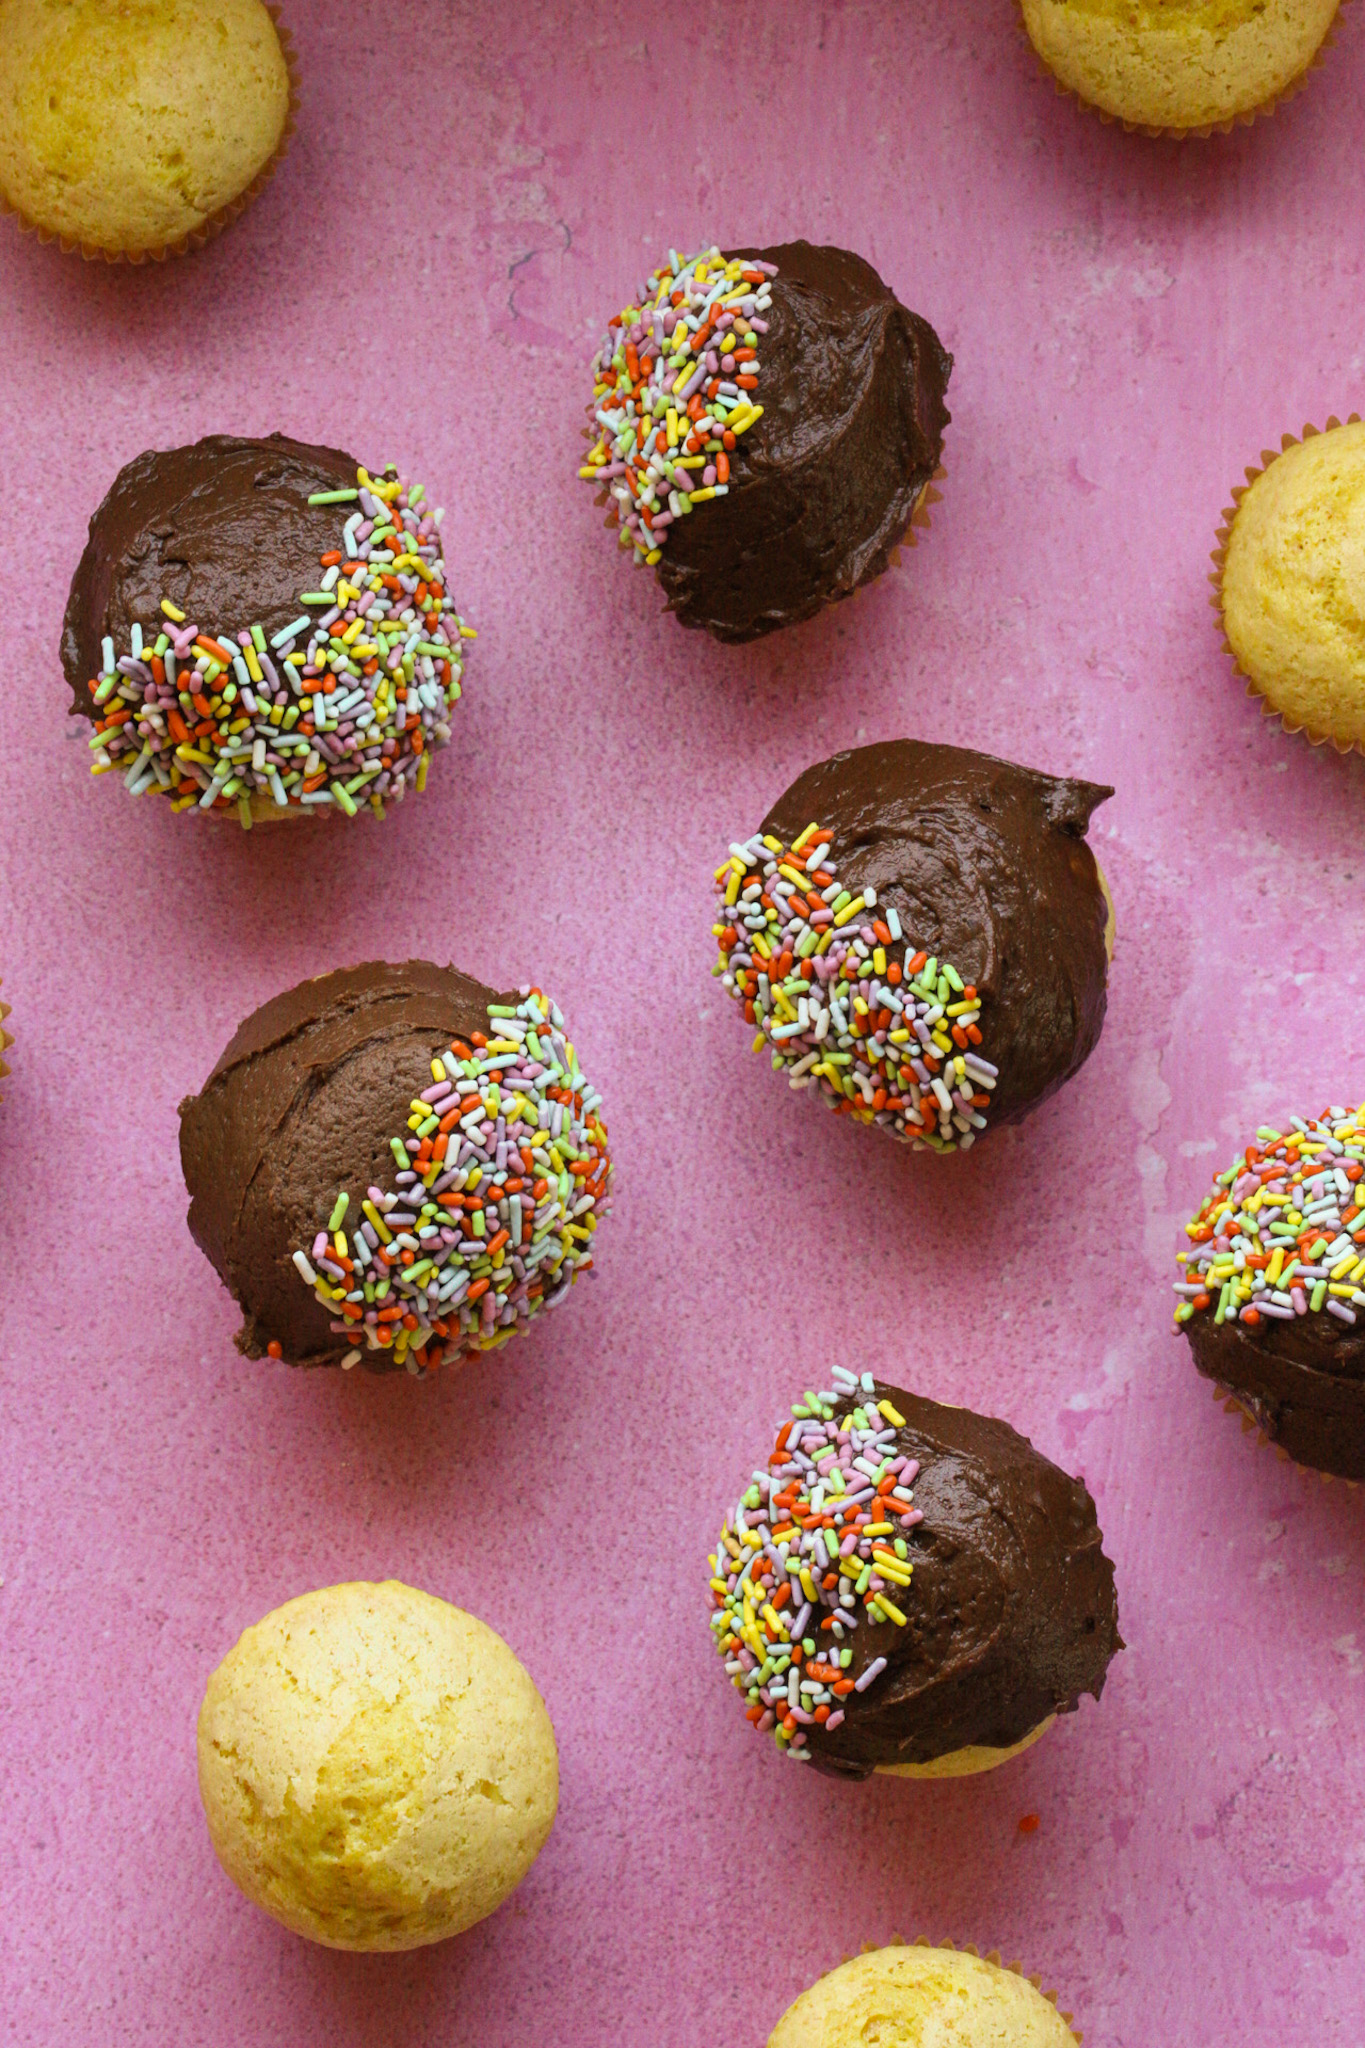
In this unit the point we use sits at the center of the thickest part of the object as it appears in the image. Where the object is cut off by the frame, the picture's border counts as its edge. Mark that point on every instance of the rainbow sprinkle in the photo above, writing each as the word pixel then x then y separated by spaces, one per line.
pixel 502 1177
pixel 891 1041
pixel 341 709
pixel 671 391
pixel 820 1531
pixel 1283 1233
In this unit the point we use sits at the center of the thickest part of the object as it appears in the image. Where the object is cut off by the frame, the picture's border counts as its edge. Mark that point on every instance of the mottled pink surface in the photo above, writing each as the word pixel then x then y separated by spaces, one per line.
pixel 1132 323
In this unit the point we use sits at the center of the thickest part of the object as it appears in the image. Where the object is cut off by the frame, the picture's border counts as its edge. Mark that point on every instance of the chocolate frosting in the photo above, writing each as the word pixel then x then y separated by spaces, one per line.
pixel 223 529
pixel 986 864
pixel 1303 1382
pixel 822 489
pixel 302 1104
pixel 1011 1613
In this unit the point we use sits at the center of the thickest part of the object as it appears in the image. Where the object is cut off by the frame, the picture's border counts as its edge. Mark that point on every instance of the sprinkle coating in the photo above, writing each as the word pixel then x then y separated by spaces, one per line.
pixel 1283 1232
pixel 814 1554
pixel 889 1034
pixel 672 391
pixel 341 709
pixel 502 1176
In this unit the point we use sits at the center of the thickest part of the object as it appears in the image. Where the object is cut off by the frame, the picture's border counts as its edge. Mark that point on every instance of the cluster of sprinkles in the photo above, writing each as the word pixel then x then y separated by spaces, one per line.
pixel 501 1179
pixel 816 1549
pixel 888 1033
pixel 342 708
pixel 1283 1232
pixel 672 389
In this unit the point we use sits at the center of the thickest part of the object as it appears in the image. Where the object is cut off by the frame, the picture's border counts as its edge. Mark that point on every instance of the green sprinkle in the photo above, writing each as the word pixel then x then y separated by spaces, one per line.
pixel 333 497
pixel 338 1216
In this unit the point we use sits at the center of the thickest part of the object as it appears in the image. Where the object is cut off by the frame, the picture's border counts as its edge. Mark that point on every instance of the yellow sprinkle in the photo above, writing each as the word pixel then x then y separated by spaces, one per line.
pixel 879 960
pixel 1275 1268
pixel 879 1529
pixel 889 1609
pixel 808 1585
pixel 757 1044
pixel 896 1421
pixel 731 891
pixel 1342 1267
pixel 850 911
pixel 172 611
pixel 797 844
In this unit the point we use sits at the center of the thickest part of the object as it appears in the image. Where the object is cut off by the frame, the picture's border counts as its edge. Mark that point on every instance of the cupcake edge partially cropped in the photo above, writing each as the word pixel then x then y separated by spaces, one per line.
pixel 944 1946
pixel 1198 131
pixel 1308 1412
pixel 1219 558
pixel 223 217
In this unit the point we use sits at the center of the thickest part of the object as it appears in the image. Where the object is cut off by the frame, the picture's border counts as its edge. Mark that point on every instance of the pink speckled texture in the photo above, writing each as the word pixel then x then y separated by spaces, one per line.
pixel 1133 322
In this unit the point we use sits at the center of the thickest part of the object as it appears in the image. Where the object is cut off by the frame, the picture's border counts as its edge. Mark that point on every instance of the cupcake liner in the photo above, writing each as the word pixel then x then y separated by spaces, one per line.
pixel 1111 921
pixel 1219 556
pixel 214 225
pixel 920 521
pixel 6 1039
pixel 1246 119
pixel 966 1948
pixel 971 1762
pixel 1230 1403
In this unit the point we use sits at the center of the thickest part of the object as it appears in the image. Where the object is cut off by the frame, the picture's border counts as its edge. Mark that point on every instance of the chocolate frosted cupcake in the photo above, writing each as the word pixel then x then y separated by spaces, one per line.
pixel 922 934
pixel 909 1588
pixel 1272 1296
pixel 392 1166
pixel 264 629
pixel 788 400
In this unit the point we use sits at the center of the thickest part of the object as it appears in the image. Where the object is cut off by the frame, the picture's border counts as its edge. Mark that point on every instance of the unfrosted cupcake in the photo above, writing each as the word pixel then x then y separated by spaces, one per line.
pixel 932 1997
pixel 909 1588
pixel 130 132
pixel 1272 1287
pixel 1179 66
pixel 6 1041
pixel 263 630
pixel 377 1768
pixel 1291 581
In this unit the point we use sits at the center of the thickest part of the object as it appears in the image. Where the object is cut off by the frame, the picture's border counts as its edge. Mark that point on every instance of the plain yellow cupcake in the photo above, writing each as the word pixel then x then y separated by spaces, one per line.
pixel 133 128
pixel 376 1767
pixel 922 1998
pixel 1293 584
pixel 5 1040
pixel 1179 66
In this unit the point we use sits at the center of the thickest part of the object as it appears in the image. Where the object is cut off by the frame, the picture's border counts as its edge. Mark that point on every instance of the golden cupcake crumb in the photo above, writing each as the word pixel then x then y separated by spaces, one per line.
pixel 1293 585
pixel 127 126
pixel 923 1997
pixel 1178 65
pixel 377 1769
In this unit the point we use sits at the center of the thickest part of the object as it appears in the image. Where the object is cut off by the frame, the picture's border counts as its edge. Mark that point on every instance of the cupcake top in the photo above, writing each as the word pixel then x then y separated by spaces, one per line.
pixel 5 1039
pixel 395 1166
pixel 933 1997
pixel 904 1581
pixel 920 933
pixel 263 626
pixel 806 402
pixel 1272 1288
pixel 377 1768
pixel 129 131
pixel 1179 64
pixel 1293 583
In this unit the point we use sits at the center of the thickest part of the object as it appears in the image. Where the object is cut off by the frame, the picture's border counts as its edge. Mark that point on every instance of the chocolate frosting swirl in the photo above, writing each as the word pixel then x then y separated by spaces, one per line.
pixel 1303 1382
pixel 986 864
pixel 223 529
pixel 1011 1614
pixel 302 1103
pixel 823 488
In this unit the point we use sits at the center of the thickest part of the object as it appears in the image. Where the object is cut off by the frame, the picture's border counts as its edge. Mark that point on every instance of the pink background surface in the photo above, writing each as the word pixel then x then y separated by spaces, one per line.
pixel 1132 324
